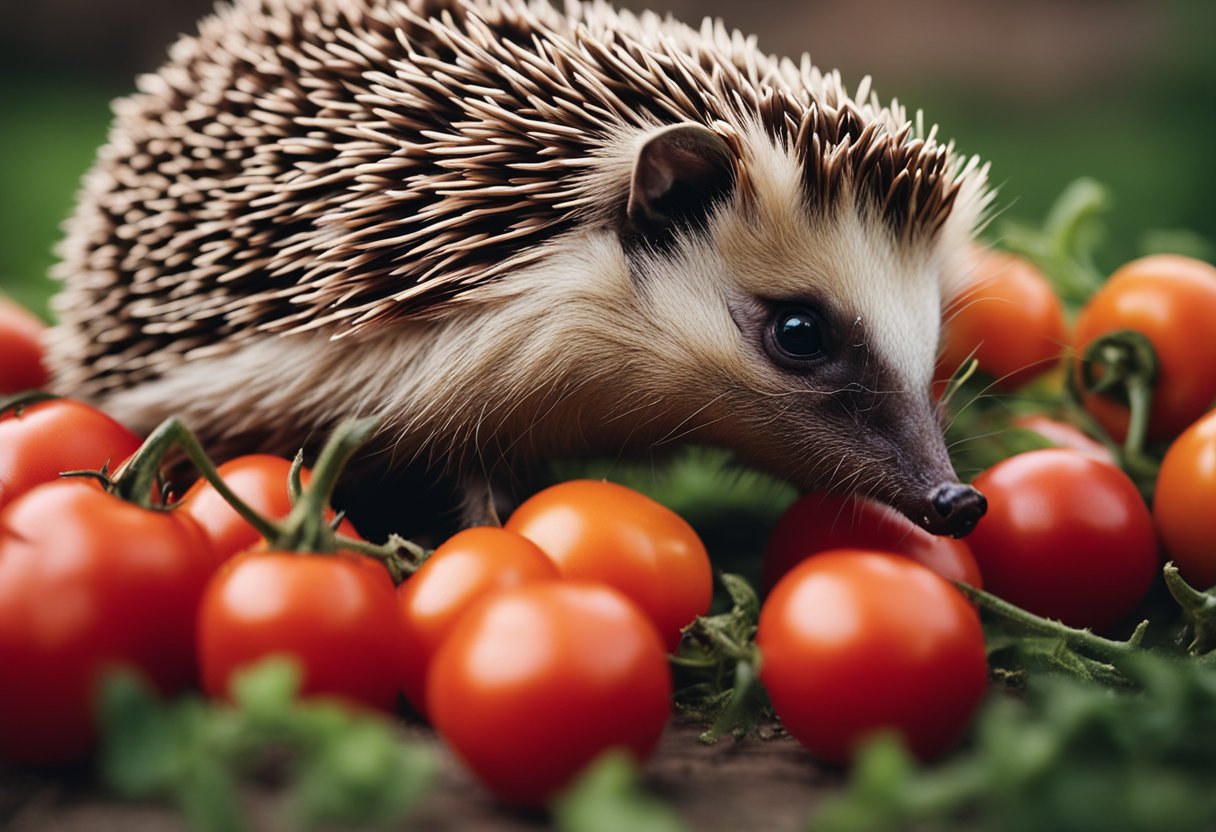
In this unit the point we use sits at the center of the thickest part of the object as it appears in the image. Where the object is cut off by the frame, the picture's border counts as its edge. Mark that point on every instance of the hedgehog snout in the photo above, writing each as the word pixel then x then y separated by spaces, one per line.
pixel 955 509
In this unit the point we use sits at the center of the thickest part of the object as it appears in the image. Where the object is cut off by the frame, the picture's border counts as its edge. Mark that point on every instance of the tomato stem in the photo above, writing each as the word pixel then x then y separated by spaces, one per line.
pixel 18 402
pixel 1101 648
pixel 1067 222
pixel 400 557
pixel 305 528
pixel 741 709
pixel 1199 609
pixel 136 479
pixel 1124 364
pixel 101 475
pixel 1063 247
pixel 1140 401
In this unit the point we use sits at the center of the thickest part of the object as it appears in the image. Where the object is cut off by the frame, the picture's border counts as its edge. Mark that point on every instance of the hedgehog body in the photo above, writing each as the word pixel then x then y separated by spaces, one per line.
pixel 516 233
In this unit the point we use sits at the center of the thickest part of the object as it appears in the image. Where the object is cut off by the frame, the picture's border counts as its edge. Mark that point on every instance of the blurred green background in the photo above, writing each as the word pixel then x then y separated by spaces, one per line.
pixel 1123 91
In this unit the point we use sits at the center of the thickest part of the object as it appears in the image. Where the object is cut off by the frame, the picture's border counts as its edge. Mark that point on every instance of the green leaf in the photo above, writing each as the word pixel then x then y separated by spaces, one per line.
pixel 607 798
pixel 268 687
pixel 1069 756
pixel 717 665
pixel 363 776
pixel 207 796
pixel 338 766
pixel 743 598
pixel 880 777
pixel 140 754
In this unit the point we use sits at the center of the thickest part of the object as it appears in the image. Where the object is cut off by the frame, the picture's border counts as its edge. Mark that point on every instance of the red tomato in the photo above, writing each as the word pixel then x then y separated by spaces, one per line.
pixel 51 437
pixel 1008 318
pixel 336 615
pixel 1065 537
pixel 20 344
pixel 1064 435
pixel 600 531
pixel 261 481
pixel 1171 300
pixel 1184 506
pixel 88 582
pixel 853 642
pixel 463 570
pixel 820 521
pixel 538 680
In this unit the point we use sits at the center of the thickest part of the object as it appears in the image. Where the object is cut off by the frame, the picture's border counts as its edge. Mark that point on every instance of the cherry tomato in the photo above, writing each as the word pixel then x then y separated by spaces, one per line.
pixel 853 642
pixel 600 531
pixel 335 614
pixel 1171 300
pixel 1065 536
pixel 1184 506
pixel 20 344
pixel 51 437
pixel 1064 435
pixel 88 582
pixel 537 680
pixel 1008 318
pixel 463 570
pixel 261 481
pixel 819 521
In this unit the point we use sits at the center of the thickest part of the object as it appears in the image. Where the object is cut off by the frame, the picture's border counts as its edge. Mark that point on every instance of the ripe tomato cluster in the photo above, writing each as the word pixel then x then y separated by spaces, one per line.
pixel 1069 534
pixel 1072 538
pixel 534 647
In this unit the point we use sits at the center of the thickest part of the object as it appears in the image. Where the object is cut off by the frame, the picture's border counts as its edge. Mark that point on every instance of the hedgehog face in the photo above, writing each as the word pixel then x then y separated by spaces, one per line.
pixel 805 341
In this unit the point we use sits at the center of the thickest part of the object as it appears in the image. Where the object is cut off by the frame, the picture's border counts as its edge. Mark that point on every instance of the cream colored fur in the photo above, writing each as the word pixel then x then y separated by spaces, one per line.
pixel 576 355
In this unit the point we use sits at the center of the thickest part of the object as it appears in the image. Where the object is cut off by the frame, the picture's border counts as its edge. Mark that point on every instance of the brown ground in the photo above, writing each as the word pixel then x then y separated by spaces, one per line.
pixel 763 783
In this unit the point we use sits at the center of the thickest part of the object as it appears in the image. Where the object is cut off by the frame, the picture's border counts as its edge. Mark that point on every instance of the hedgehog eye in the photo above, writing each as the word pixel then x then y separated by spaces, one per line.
pixel 797 335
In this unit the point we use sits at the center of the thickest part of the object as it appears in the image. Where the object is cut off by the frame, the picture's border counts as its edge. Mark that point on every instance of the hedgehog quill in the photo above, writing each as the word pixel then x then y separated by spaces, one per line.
pixel 518 233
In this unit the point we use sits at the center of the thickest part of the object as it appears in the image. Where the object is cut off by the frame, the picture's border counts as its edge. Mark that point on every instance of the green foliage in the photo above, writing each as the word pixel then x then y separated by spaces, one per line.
pixel 51 134
pixel 1198 613
pixel 1068 756
pixel 607 798
pixel 718 666
pixel 338 766
pixel 696 483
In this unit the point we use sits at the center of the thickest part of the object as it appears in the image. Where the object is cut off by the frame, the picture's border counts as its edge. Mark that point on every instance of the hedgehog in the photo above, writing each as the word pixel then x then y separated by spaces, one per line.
pixel 516 234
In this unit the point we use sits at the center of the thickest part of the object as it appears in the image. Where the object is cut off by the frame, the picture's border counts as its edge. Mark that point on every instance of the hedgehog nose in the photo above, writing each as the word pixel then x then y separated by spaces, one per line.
pixel 959 507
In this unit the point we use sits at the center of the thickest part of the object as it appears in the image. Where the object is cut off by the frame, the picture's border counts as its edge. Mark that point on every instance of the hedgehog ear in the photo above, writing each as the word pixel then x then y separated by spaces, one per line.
pixel 678 175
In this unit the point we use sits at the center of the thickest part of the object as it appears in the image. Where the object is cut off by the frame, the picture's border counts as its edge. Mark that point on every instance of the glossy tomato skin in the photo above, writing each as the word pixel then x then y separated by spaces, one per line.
pixel 853 642
pixel 261 481
pixel 1171 300
pixel 51 437
pixel 1008 318
pixel 1066 537
pixel 537 680
pixel 20 344
pixel 88 582
pixel 1184 505
pixel 466 568
pixel 336 615
pixel 819 521
pixel 601 531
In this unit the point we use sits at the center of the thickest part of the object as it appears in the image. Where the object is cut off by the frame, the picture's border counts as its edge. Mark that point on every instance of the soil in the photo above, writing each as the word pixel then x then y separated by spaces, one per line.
pixel 766 782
